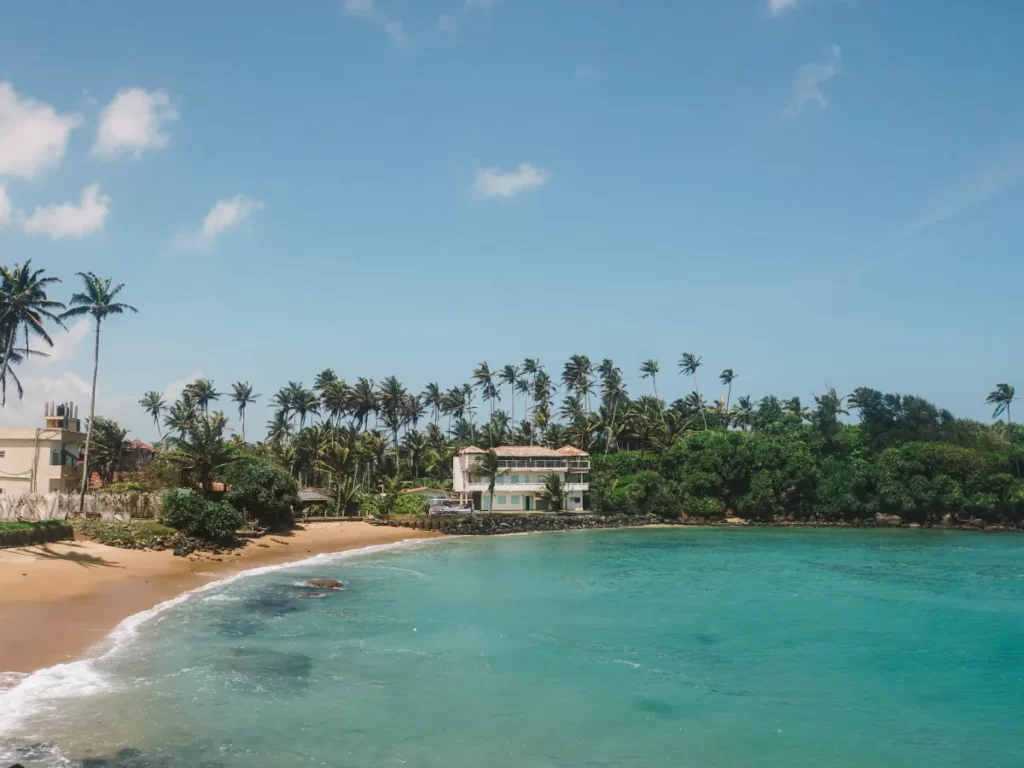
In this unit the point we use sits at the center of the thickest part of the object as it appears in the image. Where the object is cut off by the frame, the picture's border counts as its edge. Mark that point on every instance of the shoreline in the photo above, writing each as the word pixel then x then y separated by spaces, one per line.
pixel 57 601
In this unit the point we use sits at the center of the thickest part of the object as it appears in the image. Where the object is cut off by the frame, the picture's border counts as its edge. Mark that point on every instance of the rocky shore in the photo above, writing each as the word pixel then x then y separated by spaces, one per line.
pixel 497 524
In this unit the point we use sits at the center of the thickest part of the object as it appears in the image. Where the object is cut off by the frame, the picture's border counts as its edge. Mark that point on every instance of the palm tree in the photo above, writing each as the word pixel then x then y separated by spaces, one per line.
pixel 434 398
pixel 744 410
pixel 392 406
pixel 484 378
pixel 180 416
pixel 688 365
pixel 203 449
pixel 489 466
pixel 335 400
pixel 794 407
pixel 553 491
pixel 532 368
pixel 97 300
pixel 325 377
pixel 24 304
pixel 154 405
pixel 362 402
pixel 305 402
pixel 108 448
pixel 650 369
pixel 727 377
pixel 510 375
pixel 1001 398
pixel 203 392
pixel 242 394
pixel 578 377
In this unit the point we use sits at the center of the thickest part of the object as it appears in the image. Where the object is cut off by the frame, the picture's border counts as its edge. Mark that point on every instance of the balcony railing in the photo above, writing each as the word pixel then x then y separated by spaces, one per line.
pixel 508 488
pixel 562 465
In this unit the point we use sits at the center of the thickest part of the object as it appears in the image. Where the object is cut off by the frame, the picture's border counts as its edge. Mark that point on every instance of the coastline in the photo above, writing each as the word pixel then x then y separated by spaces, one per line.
pixel 59 600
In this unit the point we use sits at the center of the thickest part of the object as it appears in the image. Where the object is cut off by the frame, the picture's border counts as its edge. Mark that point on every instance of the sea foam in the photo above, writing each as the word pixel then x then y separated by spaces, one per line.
pixel 35 694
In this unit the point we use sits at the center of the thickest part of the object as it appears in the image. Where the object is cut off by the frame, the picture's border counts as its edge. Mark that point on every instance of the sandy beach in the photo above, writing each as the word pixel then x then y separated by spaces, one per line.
pixel 57 600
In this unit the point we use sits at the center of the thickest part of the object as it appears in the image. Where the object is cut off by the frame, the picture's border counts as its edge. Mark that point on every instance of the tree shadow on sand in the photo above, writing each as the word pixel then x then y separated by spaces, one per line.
pixel 84 559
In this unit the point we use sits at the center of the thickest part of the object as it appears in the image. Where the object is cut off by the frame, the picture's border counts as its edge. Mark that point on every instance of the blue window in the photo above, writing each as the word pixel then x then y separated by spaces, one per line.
pixel 515 502
pixel 501 500
pixel 500 480
pixel 515 479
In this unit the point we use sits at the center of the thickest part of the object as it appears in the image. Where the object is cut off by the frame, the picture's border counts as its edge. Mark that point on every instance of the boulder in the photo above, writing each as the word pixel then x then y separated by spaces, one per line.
pixel 324 583
pixel 893 521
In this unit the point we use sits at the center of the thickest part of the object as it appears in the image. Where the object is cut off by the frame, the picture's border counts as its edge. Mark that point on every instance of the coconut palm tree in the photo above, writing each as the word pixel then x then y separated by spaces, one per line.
pixel 24 305
pixel 688 365
pixel 649 369
pixel 180 416
pixel 794 407
pixel 392 396
pixel 203 449
pixel 510 375
pixel 154 405
pixel 325 377
pixel 434 399
pixel 243 396
pixel 484 378
pixel 305 403
pixel 335 400
pixel 744 410
pixel 553 491
pixel 362 402
pixel 203 392
pixel 577 375
pixel 489 466
pixel 97 299
pixel 1001 398
pixel 727 377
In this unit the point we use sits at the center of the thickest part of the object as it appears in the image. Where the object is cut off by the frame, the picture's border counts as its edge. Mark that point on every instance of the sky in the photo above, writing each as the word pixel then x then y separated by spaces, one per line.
pixel 815 193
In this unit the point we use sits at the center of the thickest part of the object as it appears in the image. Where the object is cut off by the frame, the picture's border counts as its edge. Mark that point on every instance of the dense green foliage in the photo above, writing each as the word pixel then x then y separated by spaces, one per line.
pixel 27 526
pixel 905 457
pixel 194 515
pixel 258 488
pixel 410 504
pixel 137 534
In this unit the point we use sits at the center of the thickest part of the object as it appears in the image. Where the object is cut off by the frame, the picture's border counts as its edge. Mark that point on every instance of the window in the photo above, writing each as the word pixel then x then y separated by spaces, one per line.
pixel 486 503
pixel 515 501
pixel 500 480
pixel 501 500
pixel 575 499
pixel 2 454
pixel 55 457
pixel 515 479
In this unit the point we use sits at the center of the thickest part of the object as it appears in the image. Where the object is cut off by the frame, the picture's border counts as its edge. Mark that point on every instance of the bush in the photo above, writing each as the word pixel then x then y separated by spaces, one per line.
pixel 410 504
pixel 124 488
pixel 260 489
pixel 652 494
pixel 132 535
pixel 193 515
pixel 370 504
pixel 703 506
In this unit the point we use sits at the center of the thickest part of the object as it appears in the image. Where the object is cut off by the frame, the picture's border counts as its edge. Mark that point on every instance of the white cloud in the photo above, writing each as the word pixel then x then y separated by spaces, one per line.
pixel 225 216
pixel 5 206
pixel 71 219
pixel 775 7
pixel 66 343
pixel 807 85
pixel 33 137
pixel 452 20
pixel 368 10
pixel 135 120
pixel 493 182
pixel 173 389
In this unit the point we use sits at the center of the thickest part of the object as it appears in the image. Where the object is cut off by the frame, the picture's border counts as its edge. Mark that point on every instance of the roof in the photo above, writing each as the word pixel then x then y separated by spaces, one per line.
pixel 571 450
pixel 138 445
pixel 315 494
pixel 528 451
pixel 424 489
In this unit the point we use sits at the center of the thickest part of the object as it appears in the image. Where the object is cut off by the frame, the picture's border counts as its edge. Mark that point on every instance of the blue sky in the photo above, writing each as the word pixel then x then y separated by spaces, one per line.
pixel 812 192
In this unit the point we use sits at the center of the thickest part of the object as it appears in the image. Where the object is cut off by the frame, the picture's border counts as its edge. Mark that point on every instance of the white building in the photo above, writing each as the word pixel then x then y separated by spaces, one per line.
pixel 517 488
pixel 43 459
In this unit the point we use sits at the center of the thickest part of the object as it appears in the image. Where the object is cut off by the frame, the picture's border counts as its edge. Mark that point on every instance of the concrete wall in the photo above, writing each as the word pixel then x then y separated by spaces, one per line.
pixel 22 451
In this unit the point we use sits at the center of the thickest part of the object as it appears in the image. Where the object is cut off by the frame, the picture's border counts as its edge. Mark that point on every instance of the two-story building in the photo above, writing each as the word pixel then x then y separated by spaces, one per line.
pixel 43 459
pixel 518 486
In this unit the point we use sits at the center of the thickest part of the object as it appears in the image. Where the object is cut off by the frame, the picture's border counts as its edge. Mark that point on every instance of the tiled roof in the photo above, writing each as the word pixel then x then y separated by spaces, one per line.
pixel 571 450
pixel 528 451
pixel 138 445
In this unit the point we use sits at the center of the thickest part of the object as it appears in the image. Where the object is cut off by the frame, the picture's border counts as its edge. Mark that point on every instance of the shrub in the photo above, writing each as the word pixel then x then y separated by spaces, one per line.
pixel 135 534
pixel 652 494
pixel 370 503
pixel 703 506
pixel 124 488
pixel 410 504
pixel 260 489
pixel 193 515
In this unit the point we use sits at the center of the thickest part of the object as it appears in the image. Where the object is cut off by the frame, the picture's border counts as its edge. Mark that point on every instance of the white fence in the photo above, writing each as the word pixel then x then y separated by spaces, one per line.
pixel 60 506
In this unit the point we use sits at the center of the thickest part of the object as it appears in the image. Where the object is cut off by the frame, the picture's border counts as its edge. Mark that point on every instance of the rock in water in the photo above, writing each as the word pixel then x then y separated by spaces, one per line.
pixel 324 583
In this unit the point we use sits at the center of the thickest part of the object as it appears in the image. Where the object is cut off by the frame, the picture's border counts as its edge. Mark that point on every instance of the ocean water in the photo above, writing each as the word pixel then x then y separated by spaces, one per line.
pixel 640 648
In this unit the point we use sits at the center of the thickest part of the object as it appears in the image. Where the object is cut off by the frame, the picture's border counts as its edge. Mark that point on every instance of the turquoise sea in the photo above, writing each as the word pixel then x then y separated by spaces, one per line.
pixel 641 648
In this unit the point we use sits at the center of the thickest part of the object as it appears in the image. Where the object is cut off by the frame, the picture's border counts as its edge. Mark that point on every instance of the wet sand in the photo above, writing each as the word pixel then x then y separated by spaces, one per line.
pixel 57 600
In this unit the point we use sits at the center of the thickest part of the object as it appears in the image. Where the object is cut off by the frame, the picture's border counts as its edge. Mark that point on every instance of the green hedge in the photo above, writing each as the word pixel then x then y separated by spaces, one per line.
pixel 193 515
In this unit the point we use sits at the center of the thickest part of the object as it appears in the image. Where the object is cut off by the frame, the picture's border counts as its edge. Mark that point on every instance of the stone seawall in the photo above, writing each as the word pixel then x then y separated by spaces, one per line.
pixel 39 534
pixel 490 525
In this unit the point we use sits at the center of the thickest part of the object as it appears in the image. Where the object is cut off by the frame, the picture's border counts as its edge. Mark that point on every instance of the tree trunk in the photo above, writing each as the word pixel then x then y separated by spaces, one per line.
pixel 92 418
pixel 7 360
pixel 243 423
pixel 696 389
pixel 728 397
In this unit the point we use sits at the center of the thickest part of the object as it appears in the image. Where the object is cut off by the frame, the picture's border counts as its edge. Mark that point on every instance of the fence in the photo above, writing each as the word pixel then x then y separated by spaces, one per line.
pixel 30 507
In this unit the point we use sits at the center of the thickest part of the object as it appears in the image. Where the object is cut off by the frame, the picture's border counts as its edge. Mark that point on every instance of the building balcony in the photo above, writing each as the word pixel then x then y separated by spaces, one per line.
pixel 524 488
pixel 554 465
